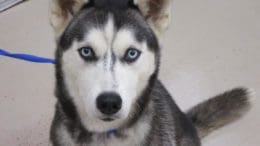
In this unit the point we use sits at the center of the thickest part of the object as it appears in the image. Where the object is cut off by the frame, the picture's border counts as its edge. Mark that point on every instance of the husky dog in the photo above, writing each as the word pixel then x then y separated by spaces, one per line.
pixel 107 89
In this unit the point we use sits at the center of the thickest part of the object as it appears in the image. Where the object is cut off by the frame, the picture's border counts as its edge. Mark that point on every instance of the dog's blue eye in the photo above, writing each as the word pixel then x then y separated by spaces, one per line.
pixel 132 55
pixel 87 53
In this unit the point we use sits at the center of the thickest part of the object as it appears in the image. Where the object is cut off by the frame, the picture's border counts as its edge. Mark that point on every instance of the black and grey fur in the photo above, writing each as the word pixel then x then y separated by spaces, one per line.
pixel 154 119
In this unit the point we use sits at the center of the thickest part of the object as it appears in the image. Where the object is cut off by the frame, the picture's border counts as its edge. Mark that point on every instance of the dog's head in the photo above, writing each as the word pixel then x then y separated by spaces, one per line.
pixel 107 56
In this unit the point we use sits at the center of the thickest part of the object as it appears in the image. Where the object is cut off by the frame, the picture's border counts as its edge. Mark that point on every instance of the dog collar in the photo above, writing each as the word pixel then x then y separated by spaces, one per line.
pixel 111 131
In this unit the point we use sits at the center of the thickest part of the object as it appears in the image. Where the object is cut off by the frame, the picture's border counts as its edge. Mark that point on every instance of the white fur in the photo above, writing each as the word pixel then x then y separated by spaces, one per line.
pixel 64 136
pixel 85 81
pixel 133 136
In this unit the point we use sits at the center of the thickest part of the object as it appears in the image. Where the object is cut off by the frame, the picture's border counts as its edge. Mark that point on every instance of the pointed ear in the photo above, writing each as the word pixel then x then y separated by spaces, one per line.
pixel 62 11
pixel 157 13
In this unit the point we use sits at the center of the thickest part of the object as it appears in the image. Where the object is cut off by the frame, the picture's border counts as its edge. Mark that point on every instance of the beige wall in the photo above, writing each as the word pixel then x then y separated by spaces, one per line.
pixel 211 46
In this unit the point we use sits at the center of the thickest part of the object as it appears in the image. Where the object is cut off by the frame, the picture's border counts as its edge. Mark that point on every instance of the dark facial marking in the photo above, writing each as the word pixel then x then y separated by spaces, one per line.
pixel 113 61
pixel 92 17
pixel 105 61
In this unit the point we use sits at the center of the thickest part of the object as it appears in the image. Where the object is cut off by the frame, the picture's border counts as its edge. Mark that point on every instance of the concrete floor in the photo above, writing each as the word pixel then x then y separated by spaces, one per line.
pixel 211 46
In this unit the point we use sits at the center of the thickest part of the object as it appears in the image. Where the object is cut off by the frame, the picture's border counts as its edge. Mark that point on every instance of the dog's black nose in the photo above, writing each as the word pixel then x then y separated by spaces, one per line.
pixel 109 103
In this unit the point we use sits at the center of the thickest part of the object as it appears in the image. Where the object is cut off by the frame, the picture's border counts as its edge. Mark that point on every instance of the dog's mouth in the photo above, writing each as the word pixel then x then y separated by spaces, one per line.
pixel 108 119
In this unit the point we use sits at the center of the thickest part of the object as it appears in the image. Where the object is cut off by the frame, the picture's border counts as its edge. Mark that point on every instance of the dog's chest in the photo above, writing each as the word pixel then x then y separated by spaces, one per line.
pixel 131 137
pixel 117 141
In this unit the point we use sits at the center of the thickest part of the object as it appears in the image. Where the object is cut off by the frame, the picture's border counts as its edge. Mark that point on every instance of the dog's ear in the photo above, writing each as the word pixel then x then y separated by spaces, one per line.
pixel 62 11
pixel 156 12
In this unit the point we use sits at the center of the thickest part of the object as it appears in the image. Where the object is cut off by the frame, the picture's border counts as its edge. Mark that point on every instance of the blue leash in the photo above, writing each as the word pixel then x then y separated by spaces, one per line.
pixel 27 57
